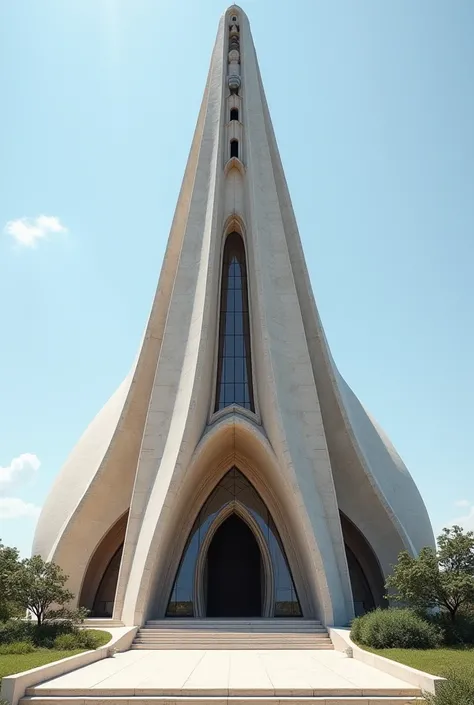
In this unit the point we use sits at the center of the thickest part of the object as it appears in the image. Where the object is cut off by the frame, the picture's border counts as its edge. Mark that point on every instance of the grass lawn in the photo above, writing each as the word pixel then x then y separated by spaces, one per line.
pixel 15 663
pixel 438 662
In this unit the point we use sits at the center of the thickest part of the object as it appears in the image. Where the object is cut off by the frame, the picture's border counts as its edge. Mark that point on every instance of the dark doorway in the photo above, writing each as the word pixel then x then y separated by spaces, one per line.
pixel 234 586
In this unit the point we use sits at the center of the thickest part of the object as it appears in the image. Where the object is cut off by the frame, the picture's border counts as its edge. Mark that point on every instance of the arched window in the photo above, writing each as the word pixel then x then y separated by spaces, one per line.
pixel 234 114
pixel 234 148
pixel 234 366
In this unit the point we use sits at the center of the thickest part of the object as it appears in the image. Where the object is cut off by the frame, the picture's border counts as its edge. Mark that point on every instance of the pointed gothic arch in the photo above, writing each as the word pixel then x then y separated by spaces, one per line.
pixel 367 580
pixel 100 580
pixel 234 495
pixel 235 508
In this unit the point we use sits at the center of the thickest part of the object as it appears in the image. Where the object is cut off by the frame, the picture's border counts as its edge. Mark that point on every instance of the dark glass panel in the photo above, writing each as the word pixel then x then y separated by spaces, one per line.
pixel 228 323
pixel 234 362
pixel 239 325
pixel 230 299
pixel 239 346
pixel 234 487
pixel 105 596
pixel 239 372
pixel 239 393
pixel 361 592
pixel 229 347
pixel 229 372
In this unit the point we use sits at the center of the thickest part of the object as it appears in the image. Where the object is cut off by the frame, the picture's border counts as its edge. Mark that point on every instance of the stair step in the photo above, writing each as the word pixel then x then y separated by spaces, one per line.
pixel 102 623
pixel 232 634
pixel 231 646
pixel 409 699
pixel 213 623
pixel 245 640
pixel 233 630
pixel 195 634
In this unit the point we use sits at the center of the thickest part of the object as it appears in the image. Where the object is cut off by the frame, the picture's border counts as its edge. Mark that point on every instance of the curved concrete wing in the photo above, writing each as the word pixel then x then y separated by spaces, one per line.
pixel 78 473
pixel 388 473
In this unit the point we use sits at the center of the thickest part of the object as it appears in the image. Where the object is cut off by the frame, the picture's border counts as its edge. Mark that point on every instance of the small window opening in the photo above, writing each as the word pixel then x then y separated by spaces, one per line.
pixel 234 114
pixel 234 149
pixel 234 19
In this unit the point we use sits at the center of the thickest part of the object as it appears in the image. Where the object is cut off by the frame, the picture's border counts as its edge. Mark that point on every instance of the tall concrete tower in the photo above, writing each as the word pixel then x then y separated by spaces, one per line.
pixel 233 473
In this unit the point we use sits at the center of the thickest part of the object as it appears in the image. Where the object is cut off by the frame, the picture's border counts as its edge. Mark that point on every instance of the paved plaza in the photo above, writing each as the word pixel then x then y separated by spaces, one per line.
pixel 226 673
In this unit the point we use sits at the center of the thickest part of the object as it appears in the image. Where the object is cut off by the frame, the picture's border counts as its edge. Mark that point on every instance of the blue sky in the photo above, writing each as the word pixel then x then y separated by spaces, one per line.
pixel 373 107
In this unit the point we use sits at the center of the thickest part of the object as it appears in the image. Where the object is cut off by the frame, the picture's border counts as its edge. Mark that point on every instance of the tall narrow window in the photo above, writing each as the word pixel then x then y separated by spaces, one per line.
pixel 234 367
pixel 234 114
pixel 234 148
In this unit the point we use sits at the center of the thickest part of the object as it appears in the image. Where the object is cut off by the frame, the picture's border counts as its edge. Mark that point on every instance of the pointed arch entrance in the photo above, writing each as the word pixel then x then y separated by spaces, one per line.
pixel 233 577
pixel 234 564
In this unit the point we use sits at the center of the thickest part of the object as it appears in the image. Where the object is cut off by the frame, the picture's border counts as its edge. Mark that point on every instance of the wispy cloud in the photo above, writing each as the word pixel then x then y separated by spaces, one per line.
pixel 28 231
pixel 14 508
pixel 466 520
pixel 21 470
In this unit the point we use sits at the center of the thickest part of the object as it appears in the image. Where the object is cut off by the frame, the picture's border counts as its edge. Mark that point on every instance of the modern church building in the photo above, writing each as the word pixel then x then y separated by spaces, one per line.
pixel 233 474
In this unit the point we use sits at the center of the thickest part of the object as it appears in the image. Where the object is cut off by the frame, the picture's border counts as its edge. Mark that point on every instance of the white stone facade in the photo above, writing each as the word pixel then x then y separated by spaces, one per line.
pixel 157 448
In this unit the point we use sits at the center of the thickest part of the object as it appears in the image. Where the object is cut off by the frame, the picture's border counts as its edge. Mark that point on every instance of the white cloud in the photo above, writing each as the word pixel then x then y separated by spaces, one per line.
pixel 15 508
pixel 467 518
pixel 27 231
pixel 20 470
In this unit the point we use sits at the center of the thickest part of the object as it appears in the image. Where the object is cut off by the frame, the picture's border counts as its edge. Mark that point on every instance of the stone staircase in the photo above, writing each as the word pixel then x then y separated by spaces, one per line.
pixel 232 634
pixel 165 667
pixel 216 662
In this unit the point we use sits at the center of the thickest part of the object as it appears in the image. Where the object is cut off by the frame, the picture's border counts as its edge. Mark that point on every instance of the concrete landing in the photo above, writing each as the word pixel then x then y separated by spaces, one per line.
pixel 223 677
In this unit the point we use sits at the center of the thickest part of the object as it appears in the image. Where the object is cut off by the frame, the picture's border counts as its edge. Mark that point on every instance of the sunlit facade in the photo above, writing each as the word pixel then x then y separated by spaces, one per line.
pixel 233 474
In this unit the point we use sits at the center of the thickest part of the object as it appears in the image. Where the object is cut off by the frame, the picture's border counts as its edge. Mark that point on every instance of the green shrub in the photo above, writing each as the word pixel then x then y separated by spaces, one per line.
pixel 17 647
pixel 356 629
pixel 81 639
pixel 15 630
pixel 90 639
pixel 67 642
pixel 45 635
pixel 27 630
pixel 453 691
pixel 395 629
pixel 461 631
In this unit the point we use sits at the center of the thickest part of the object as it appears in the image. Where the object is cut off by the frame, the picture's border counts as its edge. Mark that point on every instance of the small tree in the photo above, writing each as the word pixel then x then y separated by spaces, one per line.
pixel 38 585
pixel 442 578
pixel 9 563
